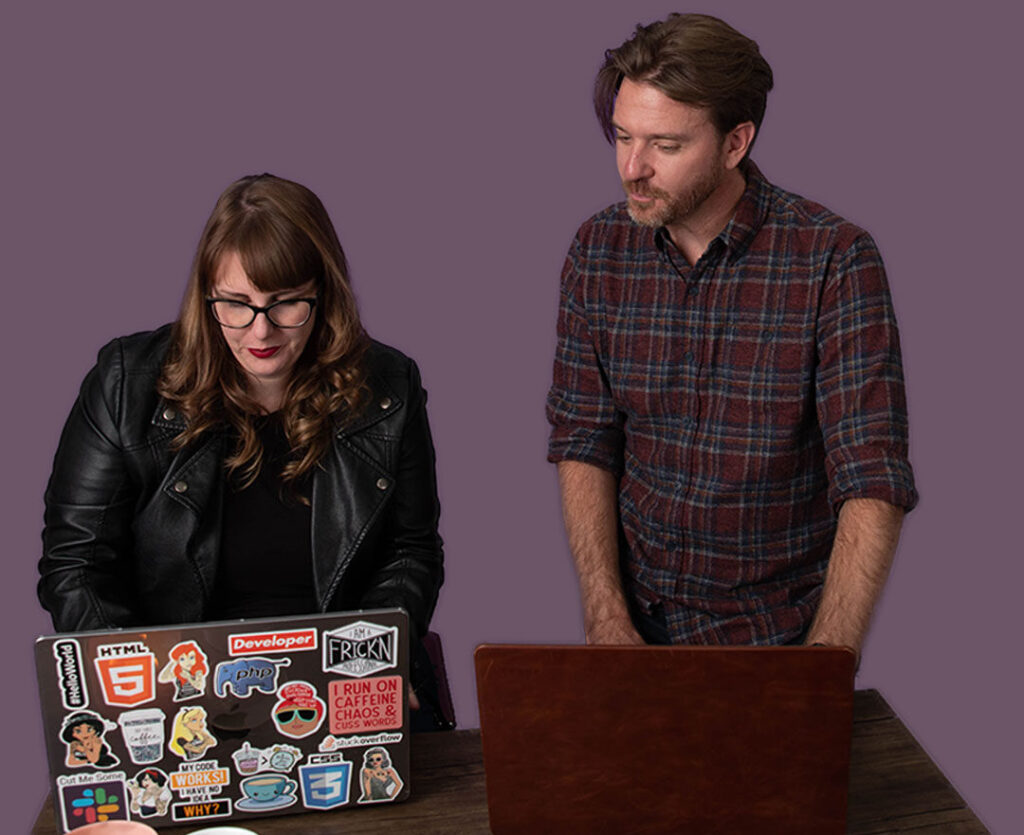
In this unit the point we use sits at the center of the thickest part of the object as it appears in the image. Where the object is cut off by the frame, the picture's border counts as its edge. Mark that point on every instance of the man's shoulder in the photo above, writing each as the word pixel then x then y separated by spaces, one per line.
pixel 793 212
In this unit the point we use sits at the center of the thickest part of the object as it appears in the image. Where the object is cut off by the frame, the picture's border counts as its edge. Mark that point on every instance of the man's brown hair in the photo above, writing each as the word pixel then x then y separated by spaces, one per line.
pixel 692 58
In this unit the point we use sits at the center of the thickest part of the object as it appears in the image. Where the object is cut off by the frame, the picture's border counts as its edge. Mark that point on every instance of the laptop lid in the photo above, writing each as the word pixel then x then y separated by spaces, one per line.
pixel 230 720
pixel 666 739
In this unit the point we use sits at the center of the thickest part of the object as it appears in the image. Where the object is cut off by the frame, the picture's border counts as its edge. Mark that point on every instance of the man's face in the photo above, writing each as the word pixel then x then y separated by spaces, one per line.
pixel 670 155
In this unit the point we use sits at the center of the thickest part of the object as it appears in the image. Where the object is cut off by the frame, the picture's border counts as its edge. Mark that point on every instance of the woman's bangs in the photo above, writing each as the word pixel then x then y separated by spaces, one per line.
pixel 277 256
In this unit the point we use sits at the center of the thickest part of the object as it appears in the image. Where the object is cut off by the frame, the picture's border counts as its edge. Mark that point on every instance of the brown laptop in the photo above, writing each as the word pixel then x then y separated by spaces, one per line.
pixel 666 739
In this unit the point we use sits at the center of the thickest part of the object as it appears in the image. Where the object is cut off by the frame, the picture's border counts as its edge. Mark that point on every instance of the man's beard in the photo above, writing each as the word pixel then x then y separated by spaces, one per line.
pixel 671 208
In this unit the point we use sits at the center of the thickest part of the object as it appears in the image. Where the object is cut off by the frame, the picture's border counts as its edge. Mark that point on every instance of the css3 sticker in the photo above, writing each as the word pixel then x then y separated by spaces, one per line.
pixel 325 782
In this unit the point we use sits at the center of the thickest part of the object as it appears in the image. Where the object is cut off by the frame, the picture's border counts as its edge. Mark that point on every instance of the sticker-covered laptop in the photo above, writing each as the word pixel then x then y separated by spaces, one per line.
pixel 232 720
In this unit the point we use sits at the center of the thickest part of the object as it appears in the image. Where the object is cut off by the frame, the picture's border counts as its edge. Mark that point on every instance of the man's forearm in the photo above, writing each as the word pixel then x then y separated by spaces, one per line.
pixel 861 557
pixel 590 509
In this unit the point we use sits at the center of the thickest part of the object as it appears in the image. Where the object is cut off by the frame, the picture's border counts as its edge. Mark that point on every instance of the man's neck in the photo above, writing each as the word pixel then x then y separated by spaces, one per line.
pixel 696 231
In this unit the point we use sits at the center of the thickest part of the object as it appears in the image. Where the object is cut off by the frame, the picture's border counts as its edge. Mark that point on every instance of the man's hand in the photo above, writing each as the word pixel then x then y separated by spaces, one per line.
pixel 858 567
pixel 590 509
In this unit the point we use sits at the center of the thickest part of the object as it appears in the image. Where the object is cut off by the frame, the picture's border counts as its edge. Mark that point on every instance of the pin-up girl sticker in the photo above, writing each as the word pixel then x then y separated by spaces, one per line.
pixel 299 711
pixel 187 668
pixel 189 738
pixel 83 734
pixel 378 780
pixel 150 793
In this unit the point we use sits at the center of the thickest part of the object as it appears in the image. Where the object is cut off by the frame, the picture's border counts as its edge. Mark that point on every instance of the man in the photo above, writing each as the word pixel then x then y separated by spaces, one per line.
pixel 727 412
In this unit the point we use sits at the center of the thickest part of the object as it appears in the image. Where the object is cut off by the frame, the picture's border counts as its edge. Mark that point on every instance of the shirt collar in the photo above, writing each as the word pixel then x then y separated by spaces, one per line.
pixel 746 221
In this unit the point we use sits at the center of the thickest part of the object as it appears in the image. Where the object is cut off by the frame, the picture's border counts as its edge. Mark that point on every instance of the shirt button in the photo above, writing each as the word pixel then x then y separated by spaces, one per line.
pixel 169 414
pixel 382 484
pixel 180 487
pixel 689 422
pixel 688 356
pixel 385 403
pixel 694 290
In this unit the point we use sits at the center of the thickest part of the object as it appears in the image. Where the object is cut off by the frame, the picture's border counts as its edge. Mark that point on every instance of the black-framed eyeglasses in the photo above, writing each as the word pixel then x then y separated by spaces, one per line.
pixel 287 313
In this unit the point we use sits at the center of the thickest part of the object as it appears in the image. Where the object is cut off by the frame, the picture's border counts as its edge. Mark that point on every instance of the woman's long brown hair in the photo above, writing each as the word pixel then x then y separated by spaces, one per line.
pixel 284 238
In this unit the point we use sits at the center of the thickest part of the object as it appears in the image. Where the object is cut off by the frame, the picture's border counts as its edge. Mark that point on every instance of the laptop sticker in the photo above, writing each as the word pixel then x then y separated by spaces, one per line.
pixel 378 781
pixel 249 760
pixel 190 738
pixel 187 669
pixel 150 793
pixel 299 712
pixel 92 798
pixel 368 704
pixel 74 693
pixel 143 733
pixel 199 785
pixel 360 649
pixel 325 781
pixel 201 810
pixel 266 792
pixel 333 743
pixel 244 675
pixel 127 673
pixel 261 643
pixel 82 733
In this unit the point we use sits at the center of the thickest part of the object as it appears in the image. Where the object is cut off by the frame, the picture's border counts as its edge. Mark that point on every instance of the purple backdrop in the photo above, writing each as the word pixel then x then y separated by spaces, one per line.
pixel 454 146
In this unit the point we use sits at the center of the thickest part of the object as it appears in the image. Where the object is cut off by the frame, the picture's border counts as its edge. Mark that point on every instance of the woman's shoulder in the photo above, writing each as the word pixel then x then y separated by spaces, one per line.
pixel 398 370
pixel 138 355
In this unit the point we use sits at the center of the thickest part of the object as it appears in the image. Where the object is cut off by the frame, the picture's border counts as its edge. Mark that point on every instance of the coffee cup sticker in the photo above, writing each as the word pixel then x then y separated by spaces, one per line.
pixel 143 732
pixel 265 792
pixel 249 760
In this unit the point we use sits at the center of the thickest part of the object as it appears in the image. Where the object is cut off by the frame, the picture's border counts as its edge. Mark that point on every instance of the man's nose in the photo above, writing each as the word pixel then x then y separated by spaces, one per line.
pixel 636 165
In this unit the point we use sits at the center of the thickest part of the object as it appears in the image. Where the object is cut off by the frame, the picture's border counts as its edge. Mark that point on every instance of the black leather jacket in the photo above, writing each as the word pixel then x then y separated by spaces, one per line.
pixel 132 528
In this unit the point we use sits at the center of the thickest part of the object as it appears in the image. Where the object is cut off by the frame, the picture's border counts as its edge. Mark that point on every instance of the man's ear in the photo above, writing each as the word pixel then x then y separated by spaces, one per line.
pixel 737 142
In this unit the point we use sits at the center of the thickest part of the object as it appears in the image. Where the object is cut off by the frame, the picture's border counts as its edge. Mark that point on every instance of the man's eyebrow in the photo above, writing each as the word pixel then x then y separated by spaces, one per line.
pixel 674 137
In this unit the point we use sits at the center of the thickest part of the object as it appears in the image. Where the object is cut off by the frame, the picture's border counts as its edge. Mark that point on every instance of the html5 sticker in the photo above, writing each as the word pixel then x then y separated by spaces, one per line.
pixel 260 643
pixel 127 673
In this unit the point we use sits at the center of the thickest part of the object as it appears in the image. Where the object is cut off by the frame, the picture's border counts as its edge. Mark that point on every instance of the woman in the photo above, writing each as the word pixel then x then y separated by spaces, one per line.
pixel 378 779
pixel 150 793
pixel 190 737
pixel 187 669
pixel 260 456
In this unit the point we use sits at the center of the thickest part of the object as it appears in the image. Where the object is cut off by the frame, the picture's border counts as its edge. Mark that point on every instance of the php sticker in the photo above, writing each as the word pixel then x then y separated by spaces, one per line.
pixel 244 675
pixel 127 673
pixel 92 798
pixel 70 675
pixel 325 781
pixel 360 649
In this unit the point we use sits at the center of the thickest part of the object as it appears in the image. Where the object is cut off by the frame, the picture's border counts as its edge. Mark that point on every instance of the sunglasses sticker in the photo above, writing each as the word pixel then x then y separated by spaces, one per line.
pixel 262 643
pixel 143 733
pixel 92 798
pixel 244 675
pixel 378 780
pixel 82 733
pixel 127 673
pixel 190 738
pixel 74 693
pixel 325 781
pixel 360 649
pixel 187 669
pixel 299 712
pixel 368 704
pixel 249 760
pixel 333 743
pixel 150 793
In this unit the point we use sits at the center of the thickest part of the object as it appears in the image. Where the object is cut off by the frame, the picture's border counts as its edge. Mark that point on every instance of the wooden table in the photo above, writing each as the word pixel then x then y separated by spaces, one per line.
pixel 894 787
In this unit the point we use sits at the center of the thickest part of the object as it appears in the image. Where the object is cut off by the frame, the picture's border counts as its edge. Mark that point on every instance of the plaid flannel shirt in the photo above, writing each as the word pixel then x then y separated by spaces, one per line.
pixel 739 401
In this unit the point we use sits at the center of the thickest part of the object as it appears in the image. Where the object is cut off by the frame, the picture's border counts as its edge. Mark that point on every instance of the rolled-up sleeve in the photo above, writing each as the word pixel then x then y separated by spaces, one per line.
pixel 585 423
pixel 861 402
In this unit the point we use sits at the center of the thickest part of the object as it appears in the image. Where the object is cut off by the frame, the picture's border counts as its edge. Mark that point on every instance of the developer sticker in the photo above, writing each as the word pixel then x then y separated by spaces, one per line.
pixel 70 676
pixel 362 705
pixel 260 643
pixel 92 798
pixel 360 649
pixel 127 673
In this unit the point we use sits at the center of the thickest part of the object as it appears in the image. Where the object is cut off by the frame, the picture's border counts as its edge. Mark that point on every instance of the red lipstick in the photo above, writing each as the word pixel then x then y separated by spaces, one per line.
pixel 264 353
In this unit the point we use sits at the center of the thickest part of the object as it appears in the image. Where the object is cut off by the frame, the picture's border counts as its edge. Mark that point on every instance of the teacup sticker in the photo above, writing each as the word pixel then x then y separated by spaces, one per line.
pixel 190 738
pixel 377 779
pixel 265 792
pixel 143 732
pixel 150 793
pixel 299 711
pixel 83 733
pixel 249 760
pixel 187 669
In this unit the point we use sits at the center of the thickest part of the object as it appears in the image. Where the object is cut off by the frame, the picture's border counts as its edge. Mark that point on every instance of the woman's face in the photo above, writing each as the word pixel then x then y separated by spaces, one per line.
pixel 187 660
pixel 194 722
pixel 266 352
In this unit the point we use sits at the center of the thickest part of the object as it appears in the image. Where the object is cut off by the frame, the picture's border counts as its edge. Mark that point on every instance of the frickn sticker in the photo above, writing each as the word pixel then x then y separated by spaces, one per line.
pixel 360 649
